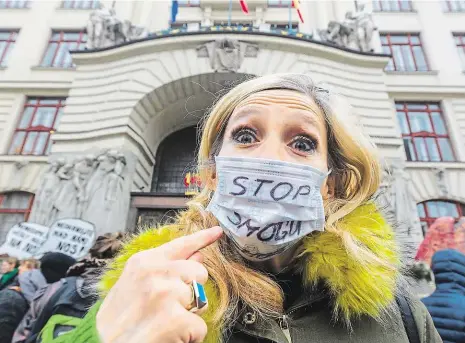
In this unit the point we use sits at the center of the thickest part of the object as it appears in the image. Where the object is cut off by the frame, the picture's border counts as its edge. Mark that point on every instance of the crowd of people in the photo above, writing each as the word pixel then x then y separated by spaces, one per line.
pixel 33 292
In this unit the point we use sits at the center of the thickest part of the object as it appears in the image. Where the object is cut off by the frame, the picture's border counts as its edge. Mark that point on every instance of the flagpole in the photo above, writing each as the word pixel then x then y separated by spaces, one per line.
pixel 229 12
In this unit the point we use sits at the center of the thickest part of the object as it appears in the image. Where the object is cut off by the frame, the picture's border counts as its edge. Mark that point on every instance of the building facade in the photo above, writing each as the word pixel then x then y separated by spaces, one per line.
pixel 143 99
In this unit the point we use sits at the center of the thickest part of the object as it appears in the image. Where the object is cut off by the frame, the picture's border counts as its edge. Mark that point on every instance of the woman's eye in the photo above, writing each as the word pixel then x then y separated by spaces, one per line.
pixel 303 144
pixel 244 136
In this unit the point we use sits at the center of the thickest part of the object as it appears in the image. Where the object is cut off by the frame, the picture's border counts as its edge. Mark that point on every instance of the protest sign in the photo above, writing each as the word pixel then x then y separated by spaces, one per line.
pixel 73 237
pixel 24 240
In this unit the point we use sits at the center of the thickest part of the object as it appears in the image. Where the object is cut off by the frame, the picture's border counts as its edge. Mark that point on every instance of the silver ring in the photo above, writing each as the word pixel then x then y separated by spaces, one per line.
pixel 199 297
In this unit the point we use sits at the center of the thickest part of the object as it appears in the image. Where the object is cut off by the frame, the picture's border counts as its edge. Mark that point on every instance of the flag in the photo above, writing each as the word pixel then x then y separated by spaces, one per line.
pixel 296 5
pixel 244 7
pixel 174 10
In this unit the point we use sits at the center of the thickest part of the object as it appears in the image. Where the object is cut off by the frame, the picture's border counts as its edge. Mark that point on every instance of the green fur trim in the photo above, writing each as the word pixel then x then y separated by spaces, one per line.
pixel 358 288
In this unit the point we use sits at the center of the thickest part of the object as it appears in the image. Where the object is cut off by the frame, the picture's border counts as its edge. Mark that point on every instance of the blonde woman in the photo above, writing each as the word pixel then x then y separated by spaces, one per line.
pixel 284 236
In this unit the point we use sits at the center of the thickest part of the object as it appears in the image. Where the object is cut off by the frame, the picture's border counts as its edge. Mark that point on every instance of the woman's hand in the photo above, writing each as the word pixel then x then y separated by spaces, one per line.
pixel 148 303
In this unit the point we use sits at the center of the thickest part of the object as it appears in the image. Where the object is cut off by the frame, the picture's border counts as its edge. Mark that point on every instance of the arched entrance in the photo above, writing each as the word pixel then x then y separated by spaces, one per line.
pixel 175 158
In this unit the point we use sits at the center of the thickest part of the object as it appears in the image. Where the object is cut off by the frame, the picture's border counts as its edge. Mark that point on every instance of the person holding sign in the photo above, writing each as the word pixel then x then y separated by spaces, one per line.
pixel 284 243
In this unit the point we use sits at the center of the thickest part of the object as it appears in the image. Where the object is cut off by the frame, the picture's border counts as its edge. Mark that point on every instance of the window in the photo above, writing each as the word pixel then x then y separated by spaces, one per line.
pixel 15 207
pixel 279 3
pixel 13 4
pixel 61 43
pixel 424 132
pixel 453 5
pixel 392 5
pixel 40 118
pixel 429 211
pixel 189 3
pixel 460 42
pixel 7 42
pixel 406 50
pixel 80 4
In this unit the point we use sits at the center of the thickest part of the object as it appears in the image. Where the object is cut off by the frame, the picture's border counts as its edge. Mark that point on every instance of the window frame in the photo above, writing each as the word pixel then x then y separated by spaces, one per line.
pixel 411 45
pixel 379 6
pixel 460 46
pixel 425 134
pixel 26 211
pixel 60 104
pixel 59 42
pixel 6 4
pixel 430 220
pixel 92 4
pixel 10 43
pixel 449 9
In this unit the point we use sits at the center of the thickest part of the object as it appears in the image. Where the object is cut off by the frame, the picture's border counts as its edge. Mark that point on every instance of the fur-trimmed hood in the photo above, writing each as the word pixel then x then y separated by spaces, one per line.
pixel 358 285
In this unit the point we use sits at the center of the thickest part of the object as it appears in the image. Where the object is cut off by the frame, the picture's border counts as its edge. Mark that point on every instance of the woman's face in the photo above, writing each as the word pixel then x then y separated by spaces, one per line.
pixel 279 125
pixel 6 267
pixel 24 267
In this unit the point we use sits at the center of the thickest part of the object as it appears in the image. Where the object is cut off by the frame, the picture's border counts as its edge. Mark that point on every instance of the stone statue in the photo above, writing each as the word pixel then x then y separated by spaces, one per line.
pixel 227 55
pixel 45 197
pixel 364 28
pixel 355 32
pixel 65 205
pixel 105 29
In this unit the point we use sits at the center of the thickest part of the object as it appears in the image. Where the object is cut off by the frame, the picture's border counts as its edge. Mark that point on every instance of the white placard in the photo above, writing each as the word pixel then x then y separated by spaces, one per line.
pixel 24 240
pixel 73 237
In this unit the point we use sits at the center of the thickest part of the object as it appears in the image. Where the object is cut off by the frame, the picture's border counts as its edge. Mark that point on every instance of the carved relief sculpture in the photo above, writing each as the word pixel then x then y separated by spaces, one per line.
pixel 227 55
pixel 397 186
pixel 94 188
pixel 45 196
pixel 441 182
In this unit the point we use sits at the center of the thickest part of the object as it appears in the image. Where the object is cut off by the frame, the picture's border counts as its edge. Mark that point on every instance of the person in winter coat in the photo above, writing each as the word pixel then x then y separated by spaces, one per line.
pixel 447 304
pixel 305 256
pixel 71 296
pixel 53 267
pixel 14 300
pixel 9 272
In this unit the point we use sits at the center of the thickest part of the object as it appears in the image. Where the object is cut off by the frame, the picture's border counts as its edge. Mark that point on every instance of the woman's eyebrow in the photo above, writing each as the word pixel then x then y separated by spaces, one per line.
pixel 245 111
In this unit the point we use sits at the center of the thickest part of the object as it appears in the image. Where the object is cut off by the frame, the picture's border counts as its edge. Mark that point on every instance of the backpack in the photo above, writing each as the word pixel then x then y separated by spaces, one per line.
pixel 70 301
pixel 408 320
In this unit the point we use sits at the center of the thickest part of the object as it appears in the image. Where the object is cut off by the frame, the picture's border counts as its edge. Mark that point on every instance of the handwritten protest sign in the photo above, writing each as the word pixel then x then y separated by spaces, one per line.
pixel 73 237
pixel 24 240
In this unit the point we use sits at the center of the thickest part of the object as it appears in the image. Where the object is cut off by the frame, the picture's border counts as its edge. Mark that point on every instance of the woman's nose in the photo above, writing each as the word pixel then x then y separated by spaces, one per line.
pixel 271 149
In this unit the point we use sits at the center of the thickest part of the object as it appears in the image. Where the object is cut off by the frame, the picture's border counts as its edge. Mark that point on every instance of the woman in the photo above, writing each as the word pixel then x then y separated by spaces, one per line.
pixel 9 272
pixel 305 257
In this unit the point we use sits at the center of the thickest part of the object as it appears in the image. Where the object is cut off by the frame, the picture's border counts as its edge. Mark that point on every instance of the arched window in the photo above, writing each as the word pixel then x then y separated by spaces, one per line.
pixel 15 207
pixel 429 211
pixel 175 158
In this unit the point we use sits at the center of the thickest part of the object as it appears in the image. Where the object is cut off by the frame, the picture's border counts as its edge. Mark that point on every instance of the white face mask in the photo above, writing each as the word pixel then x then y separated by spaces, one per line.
pixel 266 206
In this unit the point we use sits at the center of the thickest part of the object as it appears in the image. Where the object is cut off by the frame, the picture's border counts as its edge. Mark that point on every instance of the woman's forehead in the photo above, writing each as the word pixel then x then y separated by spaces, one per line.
pixel 293 100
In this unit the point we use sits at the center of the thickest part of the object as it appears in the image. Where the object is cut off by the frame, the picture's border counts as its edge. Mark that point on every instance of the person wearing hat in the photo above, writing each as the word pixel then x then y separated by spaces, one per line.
pixel 70 296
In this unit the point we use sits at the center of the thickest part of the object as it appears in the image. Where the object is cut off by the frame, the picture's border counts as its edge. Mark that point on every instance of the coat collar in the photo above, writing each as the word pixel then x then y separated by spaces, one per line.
pixel 357 285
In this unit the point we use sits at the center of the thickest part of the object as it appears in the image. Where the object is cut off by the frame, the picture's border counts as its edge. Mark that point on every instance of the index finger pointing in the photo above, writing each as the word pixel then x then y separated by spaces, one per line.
pixel 185 247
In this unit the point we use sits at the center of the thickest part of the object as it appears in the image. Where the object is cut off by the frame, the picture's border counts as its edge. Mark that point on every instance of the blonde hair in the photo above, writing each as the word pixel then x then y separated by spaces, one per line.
pixel 355 170
pixel 30 263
